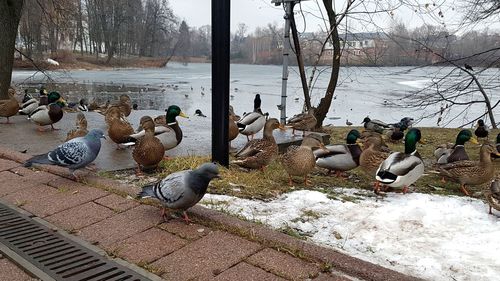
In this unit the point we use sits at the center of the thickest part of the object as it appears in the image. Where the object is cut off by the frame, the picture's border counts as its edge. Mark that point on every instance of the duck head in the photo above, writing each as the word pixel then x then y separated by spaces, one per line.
pixel 465 136
pixel 352 137
pixel 412 137
pixel 172 112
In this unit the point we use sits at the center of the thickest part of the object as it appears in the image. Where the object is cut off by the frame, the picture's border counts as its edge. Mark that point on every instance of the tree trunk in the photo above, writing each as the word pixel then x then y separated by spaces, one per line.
pixel 326 101
pixel 10 14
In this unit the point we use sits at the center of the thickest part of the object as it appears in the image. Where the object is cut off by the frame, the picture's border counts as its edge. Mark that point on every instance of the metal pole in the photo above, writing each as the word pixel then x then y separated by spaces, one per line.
pixel 220 80
pixel 286 48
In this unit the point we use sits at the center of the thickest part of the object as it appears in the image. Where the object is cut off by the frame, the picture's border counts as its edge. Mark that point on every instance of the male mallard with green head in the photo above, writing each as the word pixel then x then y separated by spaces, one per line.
pixel 467 172
pixel 402 169
pixel 252 122
pixel 49 114
pixel 148 150
pixel 481 131
pixel 340 157
pixel 300 160
pixel 9 107
pixel 257 154
pixel 457 153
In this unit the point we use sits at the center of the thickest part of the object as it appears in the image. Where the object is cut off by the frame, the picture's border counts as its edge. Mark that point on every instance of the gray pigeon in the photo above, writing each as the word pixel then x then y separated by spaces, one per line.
pixel 181 190
pixel 74 154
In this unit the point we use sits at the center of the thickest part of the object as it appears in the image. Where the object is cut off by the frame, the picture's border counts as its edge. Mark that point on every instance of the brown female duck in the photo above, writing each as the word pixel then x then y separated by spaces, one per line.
pixel 81 127
pixel 119 129
pixel 233 127
pixel 303 122
pixel 257 154
pixel 493 195
pixel 467 172
pixel 372 155
pixel 300 160
pixel 9 107
pixel 148 150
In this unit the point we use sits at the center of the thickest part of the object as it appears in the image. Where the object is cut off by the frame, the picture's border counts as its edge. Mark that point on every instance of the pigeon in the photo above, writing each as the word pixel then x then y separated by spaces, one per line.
pixel 181 190
pixel 74 154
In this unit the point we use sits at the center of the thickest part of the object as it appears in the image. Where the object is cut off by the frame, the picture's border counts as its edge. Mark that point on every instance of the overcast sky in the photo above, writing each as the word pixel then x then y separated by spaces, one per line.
pixel 258 13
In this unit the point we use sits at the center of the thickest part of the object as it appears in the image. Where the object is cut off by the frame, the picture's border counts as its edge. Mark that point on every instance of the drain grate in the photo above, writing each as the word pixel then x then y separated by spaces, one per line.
pixel 56 255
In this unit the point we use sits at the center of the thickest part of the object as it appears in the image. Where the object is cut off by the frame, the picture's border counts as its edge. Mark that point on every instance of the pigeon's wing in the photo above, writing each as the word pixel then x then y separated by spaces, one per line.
pixel 172 188
pixel 71 153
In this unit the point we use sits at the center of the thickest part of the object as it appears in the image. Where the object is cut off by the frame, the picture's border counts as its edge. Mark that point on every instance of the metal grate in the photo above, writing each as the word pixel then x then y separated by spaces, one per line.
pixel 54 254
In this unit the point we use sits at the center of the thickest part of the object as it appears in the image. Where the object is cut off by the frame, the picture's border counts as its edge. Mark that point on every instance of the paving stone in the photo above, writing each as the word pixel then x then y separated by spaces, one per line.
pixel 245 271
pixel 117 203
pixel 10 272
pixel 206 257
pixel 120 226
pixel 283 264
pixel 34 175
pixel 331 277
pixel 8 164
pixel 65 197
pixel 149 245
pixel 183 230
pixel 80 216
pixel 29 195
pixel 12 183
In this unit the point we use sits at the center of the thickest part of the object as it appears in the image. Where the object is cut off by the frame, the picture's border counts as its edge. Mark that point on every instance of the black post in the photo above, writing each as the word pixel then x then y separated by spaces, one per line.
pixel 220 80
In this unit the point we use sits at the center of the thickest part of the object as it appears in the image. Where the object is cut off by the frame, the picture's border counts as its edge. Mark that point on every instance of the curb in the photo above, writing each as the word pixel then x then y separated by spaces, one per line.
pixel 337 261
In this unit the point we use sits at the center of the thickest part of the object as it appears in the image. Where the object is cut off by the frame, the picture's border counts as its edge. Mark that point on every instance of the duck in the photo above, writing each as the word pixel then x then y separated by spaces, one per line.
pixel 252 122
pixel 49 114
pixel 467 172
pixel 83 105
pixel 233 131
pixel 374 125
pixel 169 133
pixel 340 157
pixel 372 156
pixel 9 107
pixel 258 153
pixel 481 130
pixel 81 127
pixel 300 160
pixel 302 122
pixel 29 104
pixel 148 150
pixel 494 156
pixel 396 134
pixel 493 195
pixel 458 152
pixel 199 113
pixel 402 169
pixel 124 104
pixel 119 129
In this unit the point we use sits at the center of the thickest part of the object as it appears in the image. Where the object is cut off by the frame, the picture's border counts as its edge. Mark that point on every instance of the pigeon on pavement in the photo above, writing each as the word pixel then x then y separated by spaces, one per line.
pixel 183 189
pixel 73 154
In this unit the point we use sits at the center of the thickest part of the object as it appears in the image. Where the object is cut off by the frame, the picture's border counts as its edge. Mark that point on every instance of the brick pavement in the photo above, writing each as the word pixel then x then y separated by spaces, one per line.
pixel 215 247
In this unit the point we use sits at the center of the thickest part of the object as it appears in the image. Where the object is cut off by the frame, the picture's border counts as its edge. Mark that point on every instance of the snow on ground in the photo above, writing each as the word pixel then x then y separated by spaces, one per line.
pixel 428 236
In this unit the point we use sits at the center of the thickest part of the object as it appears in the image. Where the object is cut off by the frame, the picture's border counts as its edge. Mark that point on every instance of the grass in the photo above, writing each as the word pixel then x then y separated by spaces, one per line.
pixel 274 180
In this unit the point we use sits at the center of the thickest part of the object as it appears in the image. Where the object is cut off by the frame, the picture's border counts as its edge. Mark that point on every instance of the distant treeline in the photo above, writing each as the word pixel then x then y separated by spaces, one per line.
pixel 150 28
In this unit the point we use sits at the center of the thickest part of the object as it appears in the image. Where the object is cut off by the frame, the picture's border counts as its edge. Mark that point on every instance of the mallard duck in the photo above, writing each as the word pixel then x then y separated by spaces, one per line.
pixel 199 113
pixel 170 134
pixel 396 134
pixel 372 156
pixel 124 104
pixel 257 154
pixel 252 122
pixel 302 122
pixel 119 129
pixel 300 160
pixel 9 107
pixel 148 150
pixel 83 105
pixel 467 172
pixel 29 103
pixel 457 153
pixel 340 157
pixel 374 125
pixel 481 130
pixel 49 114
pixel 402 169
pixel 493 195
pixel 233 127
pixel 81 127
pixel 498 147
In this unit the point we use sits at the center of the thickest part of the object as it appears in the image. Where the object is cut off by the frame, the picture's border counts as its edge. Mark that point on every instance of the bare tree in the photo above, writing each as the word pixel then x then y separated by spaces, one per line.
pixel 10 15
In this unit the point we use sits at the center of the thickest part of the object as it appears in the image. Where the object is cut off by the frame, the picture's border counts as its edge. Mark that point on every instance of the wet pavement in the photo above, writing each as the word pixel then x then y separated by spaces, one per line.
pixel 23 135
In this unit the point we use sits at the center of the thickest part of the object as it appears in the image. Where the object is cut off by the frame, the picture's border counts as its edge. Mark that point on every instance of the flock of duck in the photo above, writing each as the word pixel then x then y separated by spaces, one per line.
pixel 367 150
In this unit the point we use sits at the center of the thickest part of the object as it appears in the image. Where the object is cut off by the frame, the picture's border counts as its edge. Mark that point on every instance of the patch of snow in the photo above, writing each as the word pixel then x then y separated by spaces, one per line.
pixel 430 236
pixel 419 84
pixel 52 62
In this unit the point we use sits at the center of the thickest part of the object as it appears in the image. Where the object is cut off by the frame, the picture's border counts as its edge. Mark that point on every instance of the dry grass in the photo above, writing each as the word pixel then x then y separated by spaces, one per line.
pixel 274 180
